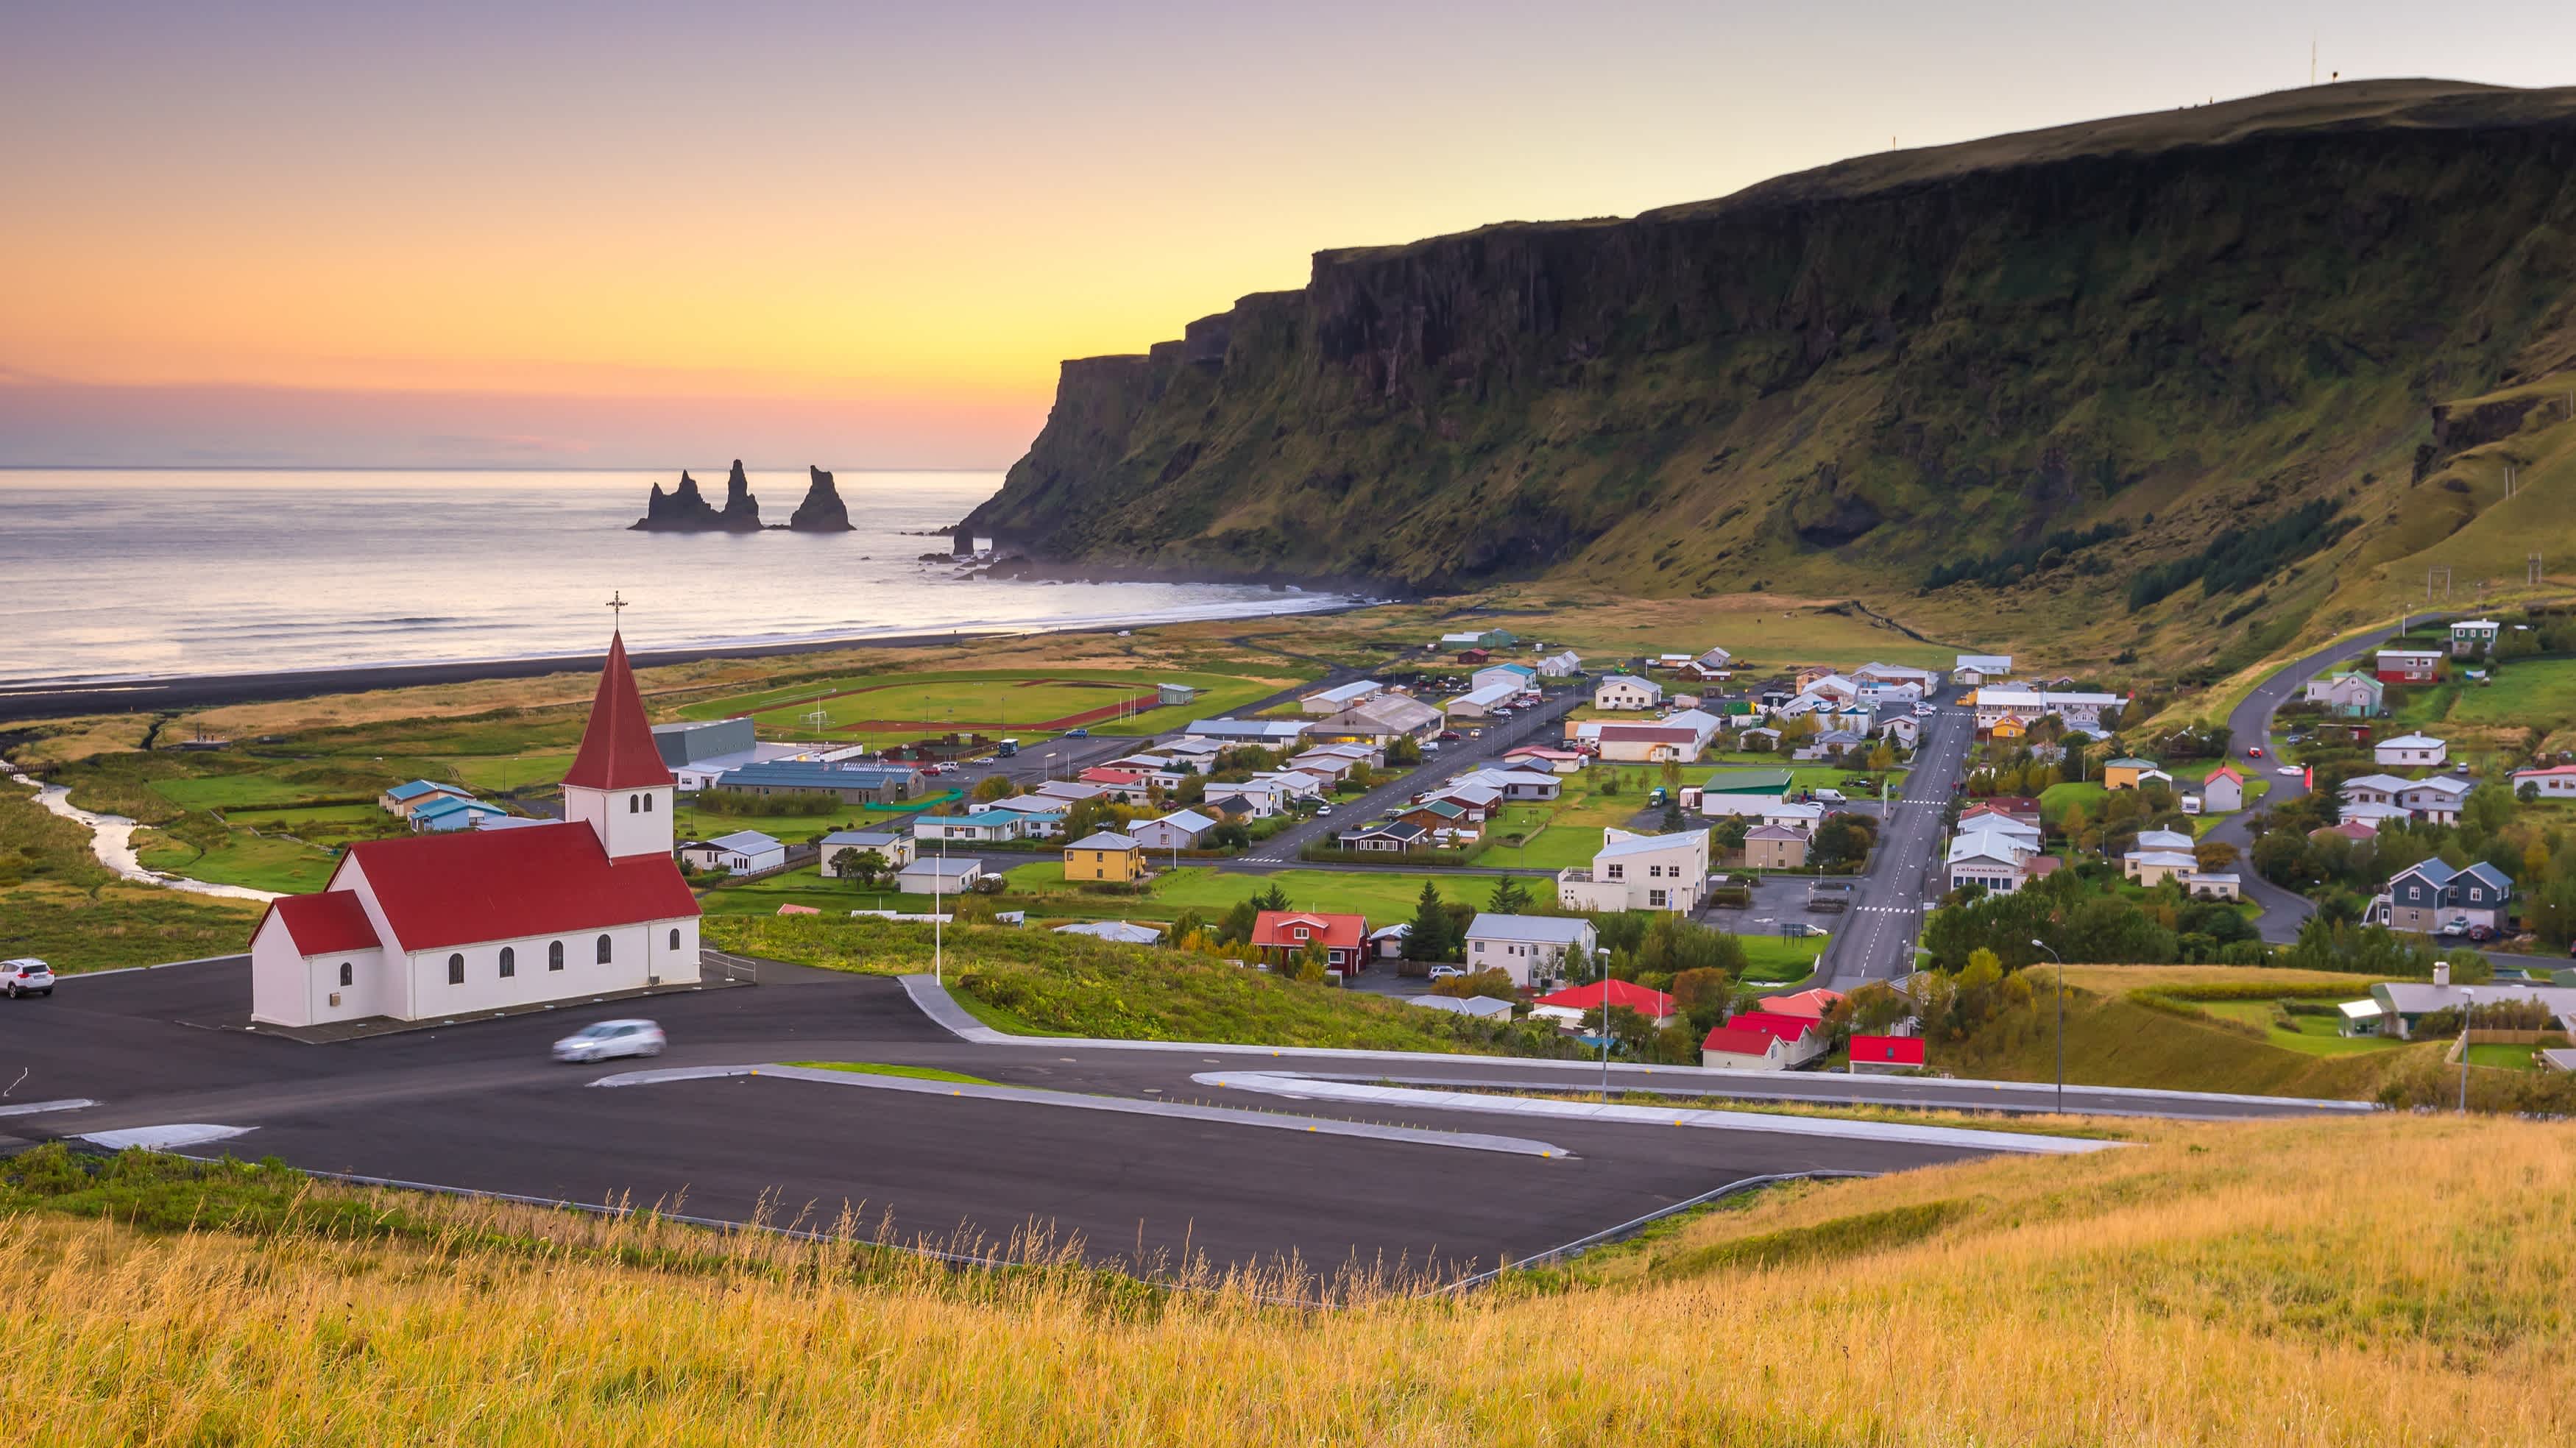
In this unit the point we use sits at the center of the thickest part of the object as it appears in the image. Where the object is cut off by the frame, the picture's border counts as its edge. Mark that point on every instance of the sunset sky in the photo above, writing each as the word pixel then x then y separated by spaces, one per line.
pixel 639 233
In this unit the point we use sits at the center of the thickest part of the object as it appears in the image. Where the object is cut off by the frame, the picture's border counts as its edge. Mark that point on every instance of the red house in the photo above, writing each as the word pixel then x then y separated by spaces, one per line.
pixel 2015 807
pixel 1280 936
pixel 1474 656
pixel 1729 1049
pixel 2409 666
pixel 1570 1004
pixel 1886 1053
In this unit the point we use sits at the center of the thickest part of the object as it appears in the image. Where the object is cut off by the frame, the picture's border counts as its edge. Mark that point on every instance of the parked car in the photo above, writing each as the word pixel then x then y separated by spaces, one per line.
pixel 1322 810
pixel 603 1039
pixel 1828 796
pixel 2456 925
pixel 1450 736
pixel 1077 734
pixel 1800 930
pixel 26 976
pixel 1430 746
pixel 1447 972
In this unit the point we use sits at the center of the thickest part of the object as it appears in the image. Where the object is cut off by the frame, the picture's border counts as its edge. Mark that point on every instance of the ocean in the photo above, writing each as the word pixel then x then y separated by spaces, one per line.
pixel 155 574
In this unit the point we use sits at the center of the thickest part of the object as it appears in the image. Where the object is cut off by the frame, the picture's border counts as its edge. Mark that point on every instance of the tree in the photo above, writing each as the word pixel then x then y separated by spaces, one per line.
pixel 1089 816
pixel 1510 896
pixel 2214 855
pixel 1238 923
pixel 1274 898
pixel 994 786
pixel 1403 751
pixel 1312 963
pixel 2529 793
pixel 1430 938
pixel 1629 1027
pixel 1672 815
pixel 1728 834
pixel 1230 836
pixel 1702 995
pixel 862 866
pixel 1186 924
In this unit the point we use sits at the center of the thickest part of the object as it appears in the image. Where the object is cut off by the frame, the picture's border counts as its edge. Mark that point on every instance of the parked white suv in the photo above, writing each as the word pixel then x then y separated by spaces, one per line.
pixel 26 976
pixel 1446 972
pixel 600 1041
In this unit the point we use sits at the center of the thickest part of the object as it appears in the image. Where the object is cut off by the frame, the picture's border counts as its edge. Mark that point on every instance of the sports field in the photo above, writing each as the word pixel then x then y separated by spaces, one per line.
pixel 1019 704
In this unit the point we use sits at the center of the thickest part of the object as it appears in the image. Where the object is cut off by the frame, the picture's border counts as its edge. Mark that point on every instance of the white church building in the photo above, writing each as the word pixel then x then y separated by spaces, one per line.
pixel 477 920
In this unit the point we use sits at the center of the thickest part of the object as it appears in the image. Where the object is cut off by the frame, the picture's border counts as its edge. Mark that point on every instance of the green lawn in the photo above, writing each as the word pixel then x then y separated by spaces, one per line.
pixel 1803 775
pixel 2315 1036
pixel 2504 1057
pixel 256 862
pixel 880 1068
pixel 1770 960
pixel 494 774
pixel 2537 693
pixel 2054 799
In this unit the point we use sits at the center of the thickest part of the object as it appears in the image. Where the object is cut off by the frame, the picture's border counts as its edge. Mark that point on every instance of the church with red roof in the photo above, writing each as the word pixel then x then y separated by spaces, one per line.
pixel 431 925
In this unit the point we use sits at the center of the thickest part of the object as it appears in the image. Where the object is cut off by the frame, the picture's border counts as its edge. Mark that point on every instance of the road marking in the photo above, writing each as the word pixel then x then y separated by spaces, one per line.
pixel 164 1138
pixel 68 1103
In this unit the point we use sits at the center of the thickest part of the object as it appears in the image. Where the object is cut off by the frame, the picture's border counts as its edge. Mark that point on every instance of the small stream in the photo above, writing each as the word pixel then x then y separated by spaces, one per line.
pixel 111 838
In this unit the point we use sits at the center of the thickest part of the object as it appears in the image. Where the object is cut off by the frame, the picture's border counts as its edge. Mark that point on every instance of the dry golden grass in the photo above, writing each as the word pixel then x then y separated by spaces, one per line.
pixel 2391 1280
pixel 60 741
pixel 2111 978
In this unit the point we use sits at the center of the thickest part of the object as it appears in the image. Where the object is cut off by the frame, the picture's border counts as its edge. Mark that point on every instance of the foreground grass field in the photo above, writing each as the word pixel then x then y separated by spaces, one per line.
pixel 2216 1285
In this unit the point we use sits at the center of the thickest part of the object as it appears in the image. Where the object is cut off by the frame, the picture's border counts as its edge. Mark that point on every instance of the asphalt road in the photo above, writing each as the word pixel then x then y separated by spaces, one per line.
pixel 480 1106
pixel 1875 939
pixel 2250 723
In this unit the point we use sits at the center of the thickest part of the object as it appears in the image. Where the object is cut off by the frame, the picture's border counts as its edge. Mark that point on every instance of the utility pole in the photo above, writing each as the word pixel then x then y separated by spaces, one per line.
pixel 2061 1029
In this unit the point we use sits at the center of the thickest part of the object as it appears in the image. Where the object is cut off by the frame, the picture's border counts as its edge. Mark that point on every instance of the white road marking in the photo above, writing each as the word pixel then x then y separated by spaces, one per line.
pixel 165 1138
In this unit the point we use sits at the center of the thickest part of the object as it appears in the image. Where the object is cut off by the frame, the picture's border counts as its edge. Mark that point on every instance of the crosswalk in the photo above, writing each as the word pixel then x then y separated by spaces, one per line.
pixel 1883 909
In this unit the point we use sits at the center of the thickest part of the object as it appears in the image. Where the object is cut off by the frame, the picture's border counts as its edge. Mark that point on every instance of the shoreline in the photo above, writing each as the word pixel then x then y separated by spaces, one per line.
pixel 35 701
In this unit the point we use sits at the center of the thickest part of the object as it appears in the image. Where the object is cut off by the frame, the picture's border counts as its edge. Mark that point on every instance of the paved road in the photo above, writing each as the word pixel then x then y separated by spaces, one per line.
pixel 1543 724
pixel 479 1106
pixel 2250 723
pixel 1875 940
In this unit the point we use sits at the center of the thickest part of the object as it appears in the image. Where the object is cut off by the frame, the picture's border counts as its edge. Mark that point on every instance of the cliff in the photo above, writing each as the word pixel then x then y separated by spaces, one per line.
pixel 684 510
pixel 2141 333
pixel 822 511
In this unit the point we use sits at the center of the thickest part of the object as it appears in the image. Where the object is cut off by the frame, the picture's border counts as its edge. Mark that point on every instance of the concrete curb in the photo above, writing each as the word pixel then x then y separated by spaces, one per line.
pixel 33 1108
pixel 936 1003
pixel 1038 1096
pixel 1705 1118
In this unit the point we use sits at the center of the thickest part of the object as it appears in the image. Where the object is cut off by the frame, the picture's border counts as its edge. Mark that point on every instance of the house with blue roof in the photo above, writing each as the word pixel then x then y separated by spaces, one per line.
pixel 441 813
pixel 989 826
pixel 2431 898
pixel 400 799
pixel 849 783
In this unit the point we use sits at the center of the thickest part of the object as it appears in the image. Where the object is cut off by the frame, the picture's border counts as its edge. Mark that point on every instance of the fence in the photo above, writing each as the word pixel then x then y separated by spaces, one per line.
pixel 727 966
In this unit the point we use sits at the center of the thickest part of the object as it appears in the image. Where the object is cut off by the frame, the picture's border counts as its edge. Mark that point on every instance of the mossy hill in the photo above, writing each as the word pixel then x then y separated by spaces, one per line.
pixel 2050 361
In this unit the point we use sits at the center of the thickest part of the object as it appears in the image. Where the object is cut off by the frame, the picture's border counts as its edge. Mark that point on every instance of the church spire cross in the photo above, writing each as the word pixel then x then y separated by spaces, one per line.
pixel 617 606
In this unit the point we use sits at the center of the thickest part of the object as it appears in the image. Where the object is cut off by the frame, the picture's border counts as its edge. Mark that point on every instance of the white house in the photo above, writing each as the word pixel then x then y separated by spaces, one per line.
pixel 744 852
pixel 1972 670
pixel 1481 701
pixel 1639 872
pixel 1341 696
pixel 1179 830
pixel 894 845
pixel 1519 676
pixel 1626 691
pixel 2556 782
pixel 2410 750
pixel 932 874
pixel 481 920
pixel 1530 948
pixel 1997 870
pixel 2223 791
pixel 1041 815
pixel 2438 799
pixel 984 827
pixel 1564 664
pixel 2029 706
pixel 2473 636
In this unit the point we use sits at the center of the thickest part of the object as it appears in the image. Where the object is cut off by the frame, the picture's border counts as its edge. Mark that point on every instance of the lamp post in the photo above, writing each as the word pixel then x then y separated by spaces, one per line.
pixel 2061 1024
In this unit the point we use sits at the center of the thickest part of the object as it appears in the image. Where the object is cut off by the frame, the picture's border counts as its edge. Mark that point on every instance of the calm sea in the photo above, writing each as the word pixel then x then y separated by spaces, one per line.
pixel 116 574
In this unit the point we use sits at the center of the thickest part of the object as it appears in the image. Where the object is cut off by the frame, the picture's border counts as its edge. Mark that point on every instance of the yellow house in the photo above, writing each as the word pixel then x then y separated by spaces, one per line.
pixel 2008 727
pixel 2130 773
pixel 1105 856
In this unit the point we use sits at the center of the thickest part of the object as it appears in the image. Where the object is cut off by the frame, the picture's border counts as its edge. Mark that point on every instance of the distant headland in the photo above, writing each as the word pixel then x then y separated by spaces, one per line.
pixel 685 510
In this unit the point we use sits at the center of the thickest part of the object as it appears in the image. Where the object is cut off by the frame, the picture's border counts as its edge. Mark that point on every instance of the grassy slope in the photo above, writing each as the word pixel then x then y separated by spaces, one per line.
pixel 59 904
pixel 2341 1283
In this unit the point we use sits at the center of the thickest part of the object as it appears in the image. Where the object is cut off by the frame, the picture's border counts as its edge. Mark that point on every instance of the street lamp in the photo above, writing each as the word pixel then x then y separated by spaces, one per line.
pixel 2061 1024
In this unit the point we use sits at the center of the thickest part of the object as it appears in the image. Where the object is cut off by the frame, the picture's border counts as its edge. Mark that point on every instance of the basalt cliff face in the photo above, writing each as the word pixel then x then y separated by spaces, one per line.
pixel 684 510
pixel 2154 329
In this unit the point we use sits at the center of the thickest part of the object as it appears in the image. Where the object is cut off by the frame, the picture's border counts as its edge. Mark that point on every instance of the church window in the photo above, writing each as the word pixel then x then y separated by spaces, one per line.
pixel 635 804
pixel 648 804
pixel 509 962
pixel 456 970
pixel 603 950
pixel 348 973
pixel 675 937
pixel 554 956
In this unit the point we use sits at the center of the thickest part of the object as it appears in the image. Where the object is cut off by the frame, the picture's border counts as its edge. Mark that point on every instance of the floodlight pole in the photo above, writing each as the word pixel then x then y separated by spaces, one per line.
pixel 2061 1024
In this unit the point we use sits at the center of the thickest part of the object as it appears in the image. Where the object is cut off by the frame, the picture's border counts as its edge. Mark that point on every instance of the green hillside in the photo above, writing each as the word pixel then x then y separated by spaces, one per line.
pixel 2264 352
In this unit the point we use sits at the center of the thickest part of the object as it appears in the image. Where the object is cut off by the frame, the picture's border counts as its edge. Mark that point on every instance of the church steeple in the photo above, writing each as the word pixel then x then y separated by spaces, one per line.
pixel 618 783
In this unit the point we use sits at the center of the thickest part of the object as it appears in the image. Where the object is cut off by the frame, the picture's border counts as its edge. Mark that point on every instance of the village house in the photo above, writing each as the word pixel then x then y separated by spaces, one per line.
pixel 983 827
pixel 2132 774
pixel 744 852
pixel 1973 670
pixel 2348 695
pixel 1732 1048
pixel 2555 782
pixel 1341 696
pixel 1282 937
pixel 2205 886
pixel 1922 681
pixel 2410 751
pixel 2473 637
pixel 1068 792
pixel 1481 701
pixel 1041 816
pixel 937 876
pixel 1639 872
pixel 1775 847
pixel 2011 806
pixel 1802 1038
pixel 1519 676
pixel 1265 733
pixel 2409 666
pixel 1884 1055
pixel 1647 743
pixel 1569 1006
pixel 2222 791
pixel 1379 721
pixel 1106 856
pixel 440 813
pixel 1626 691
pixel 2426 897
pixel 1529 948
pixel 846 783
pixel 1564 664
pixel 1386 837
pixel 1179 830
pixel 895 846
pixel 1537 758
pixel 401 798
pixel 2438 799
pixel 2402 1003
pixel 433 925
pixel 2026 707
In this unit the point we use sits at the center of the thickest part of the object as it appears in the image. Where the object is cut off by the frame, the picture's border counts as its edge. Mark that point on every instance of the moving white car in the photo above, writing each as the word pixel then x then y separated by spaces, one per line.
pixel 26 976
pixel 2292 770
pixel 603 1039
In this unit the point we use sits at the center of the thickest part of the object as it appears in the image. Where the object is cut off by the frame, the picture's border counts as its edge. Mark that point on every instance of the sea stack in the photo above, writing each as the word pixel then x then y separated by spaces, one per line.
pixel 741 509
pixel 822 511
pixel 681 510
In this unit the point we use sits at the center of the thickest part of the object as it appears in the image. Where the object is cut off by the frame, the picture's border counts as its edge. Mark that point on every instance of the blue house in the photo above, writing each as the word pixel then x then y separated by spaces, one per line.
pixel 450 812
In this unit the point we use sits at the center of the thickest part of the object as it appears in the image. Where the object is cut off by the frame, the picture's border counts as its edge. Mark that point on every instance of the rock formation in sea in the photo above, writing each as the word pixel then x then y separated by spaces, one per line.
pixel 681 510
pixel 822 511
pixel 685 510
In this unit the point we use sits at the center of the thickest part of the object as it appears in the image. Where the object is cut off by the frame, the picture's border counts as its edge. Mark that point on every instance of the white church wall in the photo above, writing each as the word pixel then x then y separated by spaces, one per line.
pixel 637 954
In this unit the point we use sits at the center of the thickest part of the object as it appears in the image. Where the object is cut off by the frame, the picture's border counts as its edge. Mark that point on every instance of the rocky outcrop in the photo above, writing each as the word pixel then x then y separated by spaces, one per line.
pixel 685 510
pixel 1853 373
pixel 822 511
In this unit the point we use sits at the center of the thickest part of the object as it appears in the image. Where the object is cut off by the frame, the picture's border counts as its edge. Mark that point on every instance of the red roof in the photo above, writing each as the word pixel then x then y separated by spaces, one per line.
pixel 1649 734
pixel 2041 866
pixel 1741 1043
pixel 1888 1050
pixel 2226 769
pixel 1103 774
pixel 330 923
pixel 1278 929
pixel 470 886
pixel 1621 992
pixel 1787 1028
pixel 1811 1003
pixel 2544 773
pixel 617 750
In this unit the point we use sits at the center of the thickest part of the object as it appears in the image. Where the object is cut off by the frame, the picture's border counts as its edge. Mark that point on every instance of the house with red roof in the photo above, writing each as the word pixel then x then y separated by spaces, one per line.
pixel 478 920
pixel 1885 1055
pixel 1802 1038
pixel 1729 1048
pixel 1812 1003
pixel 1568 1006
pixel 1279 937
